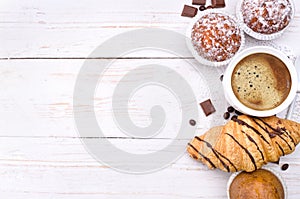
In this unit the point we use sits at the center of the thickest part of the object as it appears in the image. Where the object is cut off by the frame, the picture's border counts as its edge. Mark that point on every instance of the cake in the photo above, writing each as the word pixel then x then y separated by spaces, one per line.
pixel 260 184
pixel 266 16
pixel 216 37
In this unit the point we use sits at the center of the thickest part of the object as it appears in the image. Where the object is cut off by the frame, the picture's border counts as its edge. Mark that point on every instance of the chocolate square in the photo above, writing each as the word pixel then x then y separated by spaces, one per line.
pixel 218 3
pixel 199 2
pixel 189 11
pixel 207 107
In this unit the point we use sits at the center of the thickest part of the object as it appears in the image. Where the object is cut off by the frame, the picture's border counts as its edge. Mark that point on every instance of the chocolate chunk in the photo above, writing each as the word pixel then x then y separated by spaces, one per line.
pixel 202 8
pixel 284 167
pixel 272 135
pixel 199 2
pixel 192 122
pixel 189 11
pixel 230 109
pixel 218 3
pixel 207 107
pixel 226 115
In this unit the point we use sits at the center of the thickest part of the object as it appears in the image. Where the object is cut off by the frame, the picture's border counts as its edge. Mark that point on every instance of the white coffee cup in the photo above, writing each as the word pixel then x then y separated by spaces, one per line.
pixel 237 104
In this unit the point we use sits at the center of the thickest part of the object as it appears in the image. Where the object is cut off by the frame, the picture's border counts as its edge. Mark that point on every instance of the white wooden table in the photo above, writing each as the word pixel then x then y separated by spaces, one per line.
pixel 42 47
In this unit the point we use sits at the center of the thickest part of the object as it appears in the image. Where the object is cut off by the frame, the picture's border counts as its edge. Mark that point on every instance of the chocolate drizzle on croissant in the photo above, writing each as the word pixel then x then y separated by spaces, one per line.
pixel 205 158
pixel 241 122
pixel 252 140
pixel 278 131
pixel 217 154
pixel 245 143
pixel 246 150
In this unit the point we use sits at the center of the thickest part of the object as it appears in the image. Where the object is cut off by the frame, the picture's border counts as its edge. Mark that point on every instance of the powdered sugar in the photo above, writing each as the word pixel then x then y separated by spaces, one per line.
pixel 216 37
pixel 266 16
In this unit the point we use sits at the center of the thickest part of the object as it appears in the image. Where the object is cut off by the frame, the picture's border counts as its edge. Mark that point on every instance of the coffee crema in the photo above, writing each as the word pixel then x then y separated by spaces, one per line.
pixel 261 81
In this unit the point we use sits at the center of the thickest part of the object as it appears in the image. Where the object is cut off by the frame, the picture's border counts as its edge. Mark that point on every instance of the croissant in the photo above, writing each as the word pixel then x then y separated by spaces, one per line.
pixel 245 143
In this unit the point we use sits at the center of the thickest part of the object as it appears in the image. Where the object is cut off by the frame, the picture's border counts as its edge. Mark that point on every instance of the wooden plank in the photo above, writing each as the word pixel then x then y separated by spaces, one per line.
pixel 39 96
pixel 33 182
pixel 71 29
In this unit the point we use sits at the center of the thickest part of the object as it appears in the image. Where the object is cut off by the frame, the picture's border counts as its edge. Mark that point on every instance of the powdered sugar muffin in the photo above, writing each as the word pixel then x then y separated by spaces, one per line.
pixel 216 37
pixel 265 17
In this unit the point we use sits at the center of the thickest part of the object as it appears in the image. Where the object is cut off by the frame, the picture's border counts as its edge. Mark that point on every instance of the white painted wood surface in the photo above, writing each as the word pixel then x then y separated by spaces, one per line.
pixel 42 49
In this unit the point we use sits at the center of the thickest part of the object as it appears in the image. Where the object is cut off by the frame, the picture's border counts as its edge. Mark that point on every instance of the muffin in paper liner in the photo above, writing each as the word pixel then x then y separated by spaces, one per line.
pixel 262 34
pixel 227 40
pixel 273 171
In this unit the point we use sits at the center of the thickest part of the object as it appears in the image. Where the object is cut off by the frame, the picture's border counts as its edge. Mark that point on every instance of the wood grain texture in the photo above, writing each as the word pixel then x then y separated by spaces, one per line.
pixel 38 96
pixel 68 29
pixel 43 46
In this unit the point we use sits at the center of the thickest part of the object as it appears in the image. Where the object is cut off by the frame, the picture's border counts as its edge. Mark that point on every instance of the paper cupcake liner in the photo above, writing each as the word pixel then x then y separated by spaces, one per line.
pixel 198 57
pixel 276 173
pixel 256 35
